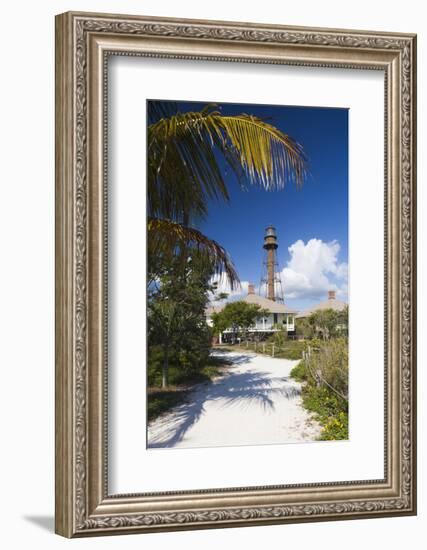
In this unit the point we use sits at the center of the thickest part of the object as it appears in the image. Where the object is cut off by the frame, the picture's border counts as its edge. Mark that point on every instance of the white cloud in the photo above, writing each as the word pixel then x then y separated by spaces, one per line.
pixel 313 269
pixel 223 285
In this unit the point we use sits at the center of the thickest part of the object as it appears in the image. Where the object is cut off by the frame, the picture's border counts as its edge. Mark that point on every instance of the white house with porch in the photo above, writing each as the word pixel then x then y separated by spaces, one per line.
pixel 278 315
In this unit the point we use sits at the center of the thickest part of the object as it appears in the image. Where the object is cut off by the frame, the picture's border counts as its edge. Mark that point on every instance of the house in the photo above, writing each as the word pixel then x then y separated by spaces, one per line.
pixel 278 315
pixel 330 303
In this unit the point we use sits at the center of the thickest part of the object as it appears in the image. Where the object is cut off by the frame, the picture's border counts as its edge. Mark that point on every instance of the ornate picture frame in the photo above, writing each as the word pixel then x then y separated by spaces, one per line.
pixel 84 42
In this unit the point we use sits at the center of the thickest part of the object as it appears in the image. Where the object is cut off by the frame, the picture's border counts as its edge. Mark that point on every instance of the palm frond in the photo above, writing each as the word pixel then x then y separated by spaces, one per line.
pixel 157 110
pixel 182 167
pixel 166 238
pixel 183 157
pixel 268 156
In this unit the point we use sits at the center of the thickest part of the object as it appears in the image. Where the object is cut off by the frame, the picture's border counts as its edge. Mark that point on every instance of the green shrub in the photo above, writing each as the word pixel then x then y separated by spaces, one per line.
pixel 279 338
pixel 181 377
pixel 330 361
pixel 304 328
pixel 154 365
pixel 336 428
pixel 185 367
pixel 323 401
pixel 330 410
pixel 160 402
pixel 299 372
pixel 326 366
pixel 291 349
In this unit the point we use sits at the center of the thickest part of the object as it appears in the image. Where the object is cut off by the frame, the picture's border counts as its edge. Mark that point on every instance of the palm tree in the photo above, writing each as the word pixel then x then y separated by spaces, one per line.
pixel 184 172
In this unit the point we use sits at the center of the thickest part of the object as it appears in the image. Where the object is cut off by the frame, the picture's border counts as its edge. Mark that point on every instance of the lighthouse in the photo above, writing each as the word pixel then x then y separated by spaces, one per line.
pixel 271 277
pixel 276 316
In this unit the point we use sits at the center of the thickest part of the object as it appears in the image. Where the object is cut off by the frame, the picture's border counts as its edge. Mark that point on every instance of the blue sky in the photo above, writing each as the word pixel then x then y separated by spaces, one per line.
pixel 311 222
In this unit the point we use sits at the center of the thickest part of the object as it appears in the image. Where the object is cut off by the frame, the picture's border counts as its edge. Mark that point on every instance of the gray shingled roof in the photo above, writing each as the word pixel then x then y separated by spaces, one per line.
pixel 331 303
pixel 264 303
pixel 213 309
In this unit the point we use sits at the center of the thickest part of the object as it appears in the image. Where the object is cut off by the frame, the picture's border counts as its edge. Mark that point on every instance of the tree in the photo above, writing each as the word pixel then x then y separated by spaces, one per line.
pixel 330 361
pixel 324 321
pixel 185 154
pixel 342 322
pixel 238 316
pixel 305 328
pixel 280 337
pixel 330 322
pixel 176 314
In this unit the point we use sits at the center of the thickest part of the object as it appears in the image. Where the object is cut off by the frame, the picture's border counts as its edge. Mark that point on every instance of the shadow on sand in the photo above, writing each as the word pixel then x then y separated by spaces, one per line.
pixel 235 390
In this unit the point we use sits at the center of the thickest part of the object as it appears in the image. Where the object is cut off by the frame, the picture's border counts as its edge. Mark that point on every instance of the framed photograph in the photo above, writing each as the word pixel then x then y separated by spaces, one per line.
pixel 235 274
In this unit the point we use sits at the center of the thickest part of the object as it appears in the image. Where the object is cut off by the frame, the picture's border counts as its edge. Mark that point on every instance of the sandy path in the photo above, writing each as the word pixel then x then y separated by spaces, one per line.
pixel 255 403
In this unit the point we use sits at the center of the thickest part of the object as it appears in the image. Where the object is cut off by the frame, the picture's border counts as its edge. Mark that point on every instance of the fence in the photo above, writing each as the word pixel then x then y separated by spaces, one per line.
pixel 274 350
pixel 268 348
pixel 288 350
pixel 317 374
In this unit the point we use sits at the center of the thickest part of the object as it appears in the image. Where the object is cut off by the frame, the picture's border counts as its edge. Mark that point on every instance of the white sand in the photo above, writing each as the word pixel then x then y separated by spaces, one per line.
pixel 255 403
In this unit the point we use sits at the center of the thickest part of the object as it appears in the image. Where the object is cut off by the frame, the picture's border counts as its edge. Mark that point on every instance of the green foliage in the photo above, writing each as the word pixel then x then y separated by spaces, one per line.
pixel 184 149
pixel 324 402
pixel 342 322
pixel 336 428
pixel 329 322
pixel 160 402
pixel 290 349
pixel 237 316
pixel 324 373
pixel 330 410
pixel 330 362
pixel 280 337
pixel 304 328
pixel 178 335
pixel 183 368
pixel 167 237
pixel 299 372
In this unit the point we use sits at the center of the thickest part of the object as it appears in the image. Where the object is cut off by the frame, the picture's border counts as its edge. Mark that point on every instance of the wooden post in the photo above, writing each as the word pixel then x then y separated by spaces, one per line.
pixel 273 351
pixel 263 348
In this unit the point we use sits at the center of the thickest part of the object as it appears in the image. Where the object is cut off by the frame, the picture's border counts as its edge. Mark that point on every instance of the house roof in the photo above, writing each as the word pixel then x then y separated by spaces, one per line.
pixel 330 303
pixel 264 303
pixel 213 309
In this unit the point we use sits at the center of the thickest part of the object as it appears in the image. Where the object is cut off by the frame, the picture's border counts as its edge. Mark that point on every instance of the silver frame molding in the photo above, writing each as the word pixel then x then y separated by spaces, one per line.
pixel 83 43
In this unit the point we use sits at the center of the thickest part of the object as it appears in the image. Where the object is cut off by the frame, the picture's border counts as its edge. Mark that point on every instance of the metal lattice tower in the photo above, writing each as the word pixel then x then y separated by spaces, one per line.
pixel 271 279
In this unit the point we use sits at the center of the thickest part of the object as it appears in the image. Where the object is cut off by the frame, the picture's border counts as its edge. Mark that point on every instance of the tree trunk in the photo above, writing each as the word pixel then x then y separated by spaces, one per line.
pixel 165 369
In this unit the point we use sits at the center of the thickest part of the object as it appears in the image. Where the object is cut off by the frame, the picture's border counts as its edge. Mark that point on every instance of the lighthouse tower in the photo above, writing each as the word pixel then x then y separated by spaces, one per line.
pixel 271 280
